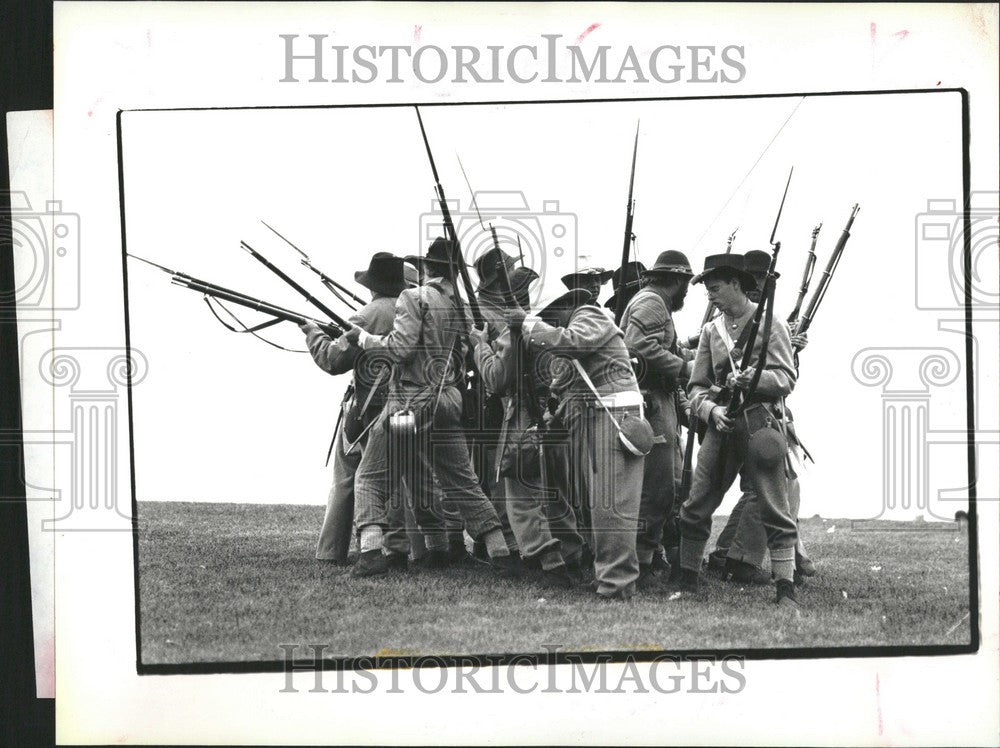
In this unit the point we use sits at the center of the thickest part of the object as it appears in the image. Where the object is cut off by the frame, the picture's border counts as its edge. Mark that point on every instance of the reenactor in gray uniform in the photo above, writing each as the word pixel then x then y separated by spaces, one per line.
pixel 601 406
pixel 751 443
pixel 427 350
pixel 632 274
pixel 385 279
pixel 741 548
pixel 652 340
pixel 541 516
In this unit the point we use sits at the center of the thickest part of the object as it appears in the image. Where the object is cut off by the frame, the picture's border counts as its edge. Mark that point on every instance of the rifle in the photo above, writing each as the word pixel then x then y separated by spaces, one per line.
pixel 220 292
pixel 831 266
pixel 305 294
pixel 806 277
pixel 501 266
pixel 331 285
pixel 711 307
pixel 449 225
pixel 766 302
pixel 629 215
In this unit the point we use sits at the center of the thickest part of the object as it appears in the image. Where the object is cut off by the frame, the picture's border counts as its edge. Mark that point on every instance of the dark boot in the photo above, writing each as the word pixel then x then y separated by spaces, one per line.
pixel 507 567
pixel 688 580
pixel 717 559
pixel 434 560
pixel 397 561
pixel 652 576
pixel 786 594
pixel 741 572
pixel 371 564
pixel 456 549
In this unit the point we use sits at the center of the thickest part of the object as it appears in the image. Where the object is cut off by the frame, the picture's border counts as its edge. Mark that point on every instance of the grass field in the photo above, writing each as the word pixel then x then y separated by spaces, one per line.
pixel 231 582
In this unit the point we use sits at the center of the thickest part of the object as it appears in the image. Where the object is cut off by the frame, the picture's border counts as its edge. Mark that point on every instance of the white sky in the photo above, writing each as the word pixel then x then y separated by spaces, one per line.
pixel 224 417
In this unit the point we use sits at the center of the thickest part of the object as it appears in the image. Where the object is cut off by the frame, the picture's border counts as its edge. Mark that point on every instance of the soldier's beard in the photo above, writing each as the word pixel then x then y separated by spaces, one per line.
pixel 677 303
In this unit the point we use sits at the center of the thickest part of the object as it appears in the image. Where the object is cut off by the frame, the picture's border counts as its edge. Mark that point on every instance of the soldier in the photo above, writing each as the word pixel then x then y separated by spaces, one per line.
pixel 601 406
pixel 427 330
pixel 532 503
pixel 741 548
pixel 632 271
pixel 491 304
pixel 588 279
pixel 751 443
pixel 521 279
pixel 385 279
pixel 652 339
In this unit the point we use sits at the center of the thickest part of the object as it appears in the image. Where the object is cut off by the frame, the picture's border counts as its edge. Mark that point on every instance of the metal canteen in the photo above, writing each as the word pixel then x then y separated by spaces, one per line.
pixel 403 424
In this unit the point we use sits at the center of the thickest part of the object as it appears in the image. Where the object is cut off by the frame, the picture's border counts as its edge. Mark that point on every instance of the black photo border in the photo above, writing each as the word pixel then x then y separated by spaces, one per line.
pixel 610 656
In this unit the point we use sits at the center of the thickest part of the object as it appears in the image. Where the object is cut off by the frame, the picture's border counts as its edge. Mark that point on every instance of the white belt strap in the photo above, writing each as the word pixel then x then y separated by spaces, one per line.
pixel 618 399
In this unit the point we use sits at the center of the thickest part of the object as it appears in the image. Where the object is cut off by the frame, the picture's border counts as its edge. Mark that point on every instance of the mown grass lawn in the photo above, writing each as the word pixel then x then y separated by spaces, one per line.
pixel 231 582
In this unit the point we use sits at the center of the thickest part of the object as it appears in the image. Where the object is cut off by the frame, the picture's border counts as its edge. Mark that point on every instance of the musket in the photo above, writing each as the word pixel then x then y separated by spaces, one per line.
pixel 331 285
pixel 711 307
pixel 220 292
pixel 766 302
pixel 305 294
pixel 806 277
pixel 629 216
pixel 501 267
pixel 449 225
pixel 687 472
pixel 831 266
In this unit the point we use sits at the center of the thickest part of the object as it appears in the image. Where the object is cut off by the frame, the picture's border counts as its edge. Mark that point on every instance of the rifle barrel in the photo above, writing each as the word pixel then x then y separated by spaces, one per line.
pixel 305 294
pixel 477 315
pixel 629 218
pixel 323 276
pixel 255 304
pixel 828 272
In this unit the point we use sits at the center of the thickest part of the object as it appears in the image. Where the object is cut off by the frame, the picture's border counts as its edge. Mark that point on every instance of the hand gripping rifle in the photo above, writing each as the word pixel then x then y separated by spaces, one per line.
pixel 627 244
pixel 737 401
pixel 331 285
pixel 241 299
pixel 806 277
pixel 831 266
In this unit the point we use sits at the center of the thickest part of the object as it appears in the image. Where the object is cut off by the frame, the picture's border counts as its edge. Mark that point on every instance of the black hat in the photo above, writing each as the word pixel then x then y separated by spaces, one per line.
pixel 633 280
pixel 572 280
pixel 440 252
pixel 486 266
pixel 570 300
pixel 756 261
pixel 671 261
pixel 384 274
pixel 732 262
pixel 521 278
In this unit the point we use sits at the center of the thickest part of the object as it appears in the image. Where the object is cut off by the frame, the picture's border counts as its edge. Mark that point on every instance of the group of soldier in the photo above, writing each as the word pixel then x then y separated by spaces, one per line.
pixel 550 443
